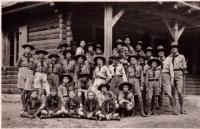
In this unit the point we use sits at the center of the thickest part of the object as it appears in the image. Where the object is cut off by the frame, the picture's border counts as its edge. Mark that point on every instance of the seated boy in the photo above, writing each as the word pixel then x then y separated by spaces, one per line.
pixel 91 106
pixel 126 98
pixel 72 106
pixel 108 108
pixel 32 106
pixel 52 105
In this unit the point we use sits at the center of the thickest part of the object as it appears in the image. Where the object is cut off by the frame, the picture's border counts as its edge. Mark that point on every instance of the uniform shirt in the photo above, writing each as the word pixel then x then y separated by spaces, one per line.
pixel 41 65
pixel 91 105
pixel 103 72
pixel 108 107
pixel 63 90
pixel 26 60
pixel 178 61
pixel 140 53
pixel 84 84
pixel 89 56
pixel 101 97
pixel 80 51
pixel 116 52
pixel 83 68
pixel 54 67
pixel 68 65
pixel 33 104
pixel 126 96
pixel 118 69
pixel 53 103
pixel 153 74
pixel 72 104
pixel 135 71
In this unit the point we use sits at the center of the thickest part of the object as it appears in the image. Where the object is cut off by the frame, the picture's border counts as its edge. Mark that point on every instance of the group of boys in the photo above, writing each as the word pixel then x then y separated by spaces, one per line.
pixel 81 84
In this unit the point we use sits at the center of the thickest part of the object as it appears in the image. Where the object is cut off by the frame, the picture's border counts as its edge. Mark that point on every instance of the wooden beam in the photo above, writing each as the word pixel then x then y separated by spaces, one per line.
pixel 190 5
pixel 108 14
pixel 117 16
pixel 169 28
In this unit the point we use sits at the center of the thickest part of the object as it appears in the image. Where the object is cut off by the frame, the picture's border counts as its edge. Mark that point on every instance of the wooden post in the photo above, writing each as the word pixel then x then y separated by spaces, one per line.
pixel 108 13
pixel 69 35
pixel 5 50
pixel 22 37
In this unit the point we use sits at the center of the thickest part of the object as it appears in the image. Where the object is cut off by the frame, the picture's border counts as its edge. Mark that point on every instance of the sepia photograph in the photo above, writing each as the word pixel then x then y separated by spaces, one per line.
pixel 108 64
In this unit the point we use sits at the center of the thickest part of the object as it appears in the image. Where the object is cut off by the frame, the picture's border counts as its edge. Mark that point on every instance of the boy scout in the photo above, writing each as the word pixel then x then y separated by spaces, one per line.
pixel 40 70
pixel 90 55
pixel 72 106
pixel 149 53
pixel 127 42
pixel 91 106
pixel 98 50
pixel 32 106
pixel 126 98
pixel 179 67
pixel 81 67
pixel 101 73
pixel 52 105
pixel 108 108
pixel 136 78
pixel 62 48
pixel 167 78
pixel 65 87
pixel 139 50
pixel 54 71
pixel 118 74
pixel 117 51
pixel 25 75
pixel 81 49
pixel 153 84
pixel 68 63
pixel 84 84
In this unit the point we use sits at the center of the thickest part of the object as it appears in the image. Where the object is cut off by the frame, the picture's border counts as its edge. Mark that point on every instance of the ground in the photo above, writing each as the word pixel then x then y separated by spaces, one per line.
pixel 11 119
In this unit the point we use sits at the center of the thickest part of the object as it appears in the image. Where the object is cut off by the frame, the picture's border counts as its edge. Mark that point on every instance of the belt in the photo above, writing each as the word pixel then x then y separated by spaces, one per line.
pixel 134 77
pixel 165 72
pixel 26 67
pixel 177 69
pixel 117 75
pixel 40 71
pixel 101 77
pixel 151 80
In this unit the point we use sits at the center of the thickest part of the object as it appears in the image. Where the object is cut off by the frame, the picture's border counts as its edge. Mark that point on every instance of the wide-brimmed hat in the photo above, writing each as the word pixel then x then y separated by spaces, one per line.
pixel 68 76
pixel 139 43
pixel 160 48
pixel 114 58
pixel 84 75
pixel 100 57
pixel 174 44
pixel 90 44
pixel 119 42
pixel 41 51
pixel 80 55
pixel 98 46
pixel 125 84
pixel 133 56
pixel 70 51
pixel 149 49
pixel 54 55
pixel 28 45
pixel 154 60
pixel 103 85
pixel 62 45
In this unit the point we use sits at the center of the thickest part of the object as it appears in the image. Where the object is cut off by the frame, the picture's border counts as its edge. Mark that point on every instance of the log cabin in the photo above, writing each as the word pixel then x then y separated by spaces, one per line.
pixel 47 24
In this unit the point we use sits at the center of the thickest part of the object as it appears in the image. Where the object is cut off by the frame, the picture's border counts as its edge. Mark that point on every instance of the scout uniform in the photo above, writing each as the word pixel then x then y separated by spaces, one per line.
pixel 167 78
pixel 101 74
pixel 25 65
pixel 63 89
pixel 80 50
pixel 126 98
pixel 136 78
pixel 118 75
pixel 179 67
pixel 54 71
pixel 108 109
pixel 153 84
pixel 130 48
pixel 68 64
pixel 32 106
pixel 82 68
pixel 62 48
pixel 118 51
pixel 140 52
pixel 41 70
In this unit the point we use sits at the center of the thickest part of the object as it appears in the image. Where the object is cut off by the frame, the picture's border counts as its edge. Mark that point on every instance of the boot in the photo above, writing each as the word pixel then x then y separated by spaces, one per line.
pixel 141 109
pixel 154 107
pixel 149 109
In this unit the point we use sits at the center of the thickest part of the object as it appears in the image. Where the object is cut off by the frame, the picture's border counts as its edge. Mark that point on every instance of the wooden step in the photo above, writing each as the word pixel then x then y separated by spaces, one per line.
pixel 10 68
pixel 9 81
pixel 9 77
pixel 9 85
pixel 10 90
pixel 9 73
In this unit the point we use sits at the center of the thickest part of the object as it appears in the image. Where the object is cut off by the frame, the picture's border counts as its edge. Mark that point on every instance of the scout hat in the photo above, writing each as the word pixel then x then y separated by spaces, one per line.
pixel 125 84
pixel 62 45
pixel 160 48
pixel 119 42
pixel 80 55
pixel 84 75
pixel 28 45
pixel 66 51
pixel 34 90
pixel 54 89
pixel 114 58
pixel 154 60
pixel 103 85
pixel 139 43
pixel 133 56
pixel 90 44
pixel 174 44
pixel 53 55
pixel 98 46
pixel 41 51
pixel 100 57
pixel 68 76
pixel 149 49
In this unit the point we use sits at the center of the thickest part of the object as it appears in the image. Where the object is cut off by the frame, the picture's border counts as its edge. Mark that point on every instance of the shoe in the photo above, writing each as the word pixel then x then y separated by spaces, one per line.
pixel 183 112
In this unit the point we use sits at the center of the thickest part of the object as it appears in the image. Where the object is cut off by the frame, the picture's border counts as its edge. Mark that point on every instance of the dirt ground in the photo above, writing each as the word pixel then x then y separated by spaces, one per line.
pixel 11 119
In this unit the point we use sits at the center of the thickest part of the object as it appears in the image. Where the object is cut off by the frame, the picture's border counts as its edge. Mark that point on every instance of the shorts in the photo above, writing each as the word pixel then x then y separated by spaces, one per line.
pixel 178 81
pixel 166 83
pixel 153 89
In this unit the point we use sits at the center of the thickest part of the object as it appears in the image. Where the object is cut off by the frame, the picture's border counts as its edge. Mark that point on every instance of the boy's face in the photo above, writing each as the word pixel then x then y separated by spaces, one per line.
pixel 71 94
pixel 99 62
pixel 68 55
pixel 115 61
pixel 80 60
pixel 98 50
pixel 141 60
pixel 54 59
pixel 53 92
pixel 138 47
pixel 107 98
pixel 127 40
pixel 90 95
pixel 119 46
pixel 82 43
pixel 63 49
pixel 65 80
pixel 133 60
pixel 90 48
pixel 27 49
pixel 103 89
pixel 125 88
pixel 174 50
pixel 154 64
pixel 68 48
pixel 84 78
pixel 34 94
pixel 161 53
pixel 148 53
pixel 41 55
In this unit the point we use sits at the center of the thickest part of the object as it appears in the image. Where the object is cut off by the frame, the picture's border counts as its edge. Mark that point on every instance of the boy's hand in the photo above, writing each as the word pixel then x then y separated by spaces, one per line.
pixel 141 88
pixel 50 112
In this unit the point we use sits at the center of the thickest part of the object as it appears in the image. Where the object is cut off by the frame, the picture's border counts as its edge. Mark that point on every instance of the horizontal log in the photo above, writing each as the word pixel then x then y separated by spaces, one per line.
pixel 43 21
pixel 43 27
pixel 41 42
pixel 10 91
pixel 47 46
pixel 44 32
pixel 45 37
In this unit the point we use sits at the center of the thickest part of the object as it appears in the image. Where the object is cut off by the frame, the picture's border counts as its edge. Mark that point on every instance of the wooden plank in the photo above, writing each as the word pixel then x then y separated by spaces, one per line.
pixel 22 37
pixel 47 46
pixel 44 27
pixel 45 37
pixel 44 32
pixel 42 42
pixel 39 21
pixel 117 17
